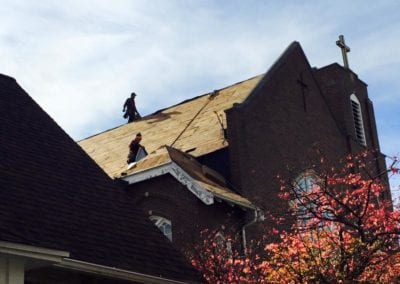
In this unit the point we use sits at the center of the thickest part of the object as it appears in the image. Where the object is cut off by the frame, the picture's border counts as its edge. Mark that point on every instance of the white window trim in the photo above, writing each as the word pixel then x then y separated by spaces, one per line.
pixel 160 222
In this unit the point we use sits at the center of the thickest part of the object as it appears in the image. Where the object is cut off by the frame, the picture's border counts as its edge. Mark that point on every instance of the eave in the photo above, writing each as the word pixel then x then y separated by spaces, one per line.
pixel 199 189
pixel 36 257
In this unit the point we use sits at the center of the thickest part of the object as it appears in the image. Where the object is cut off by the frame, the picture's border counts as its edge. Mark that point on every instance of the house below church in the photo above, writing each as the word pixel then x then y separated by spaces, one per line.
pixel 63 220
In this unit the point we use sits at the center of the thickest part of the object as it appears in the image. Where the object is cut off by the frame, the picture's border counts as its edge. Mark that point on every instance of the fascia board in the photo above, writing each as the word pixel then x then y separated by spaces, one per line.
pixel 113 272
pixel 32 252
pixel 235 202
pixel 147 174
pixel 179 174
pixel 184 178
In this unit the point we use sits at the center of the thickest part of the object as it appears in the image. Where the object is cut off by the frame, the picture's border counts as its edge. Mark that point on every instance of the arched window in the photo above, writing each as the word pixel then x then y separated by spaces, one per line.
pixel 305 182
pixel 358 122
pixel 308 203
pixel 304 199
pixel 163 224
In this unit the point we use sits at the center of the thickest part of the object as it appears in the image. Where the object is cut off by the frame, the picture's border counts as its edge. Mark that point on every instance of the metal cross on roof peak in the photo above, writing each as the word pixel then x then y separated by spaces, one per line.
pixel 344 49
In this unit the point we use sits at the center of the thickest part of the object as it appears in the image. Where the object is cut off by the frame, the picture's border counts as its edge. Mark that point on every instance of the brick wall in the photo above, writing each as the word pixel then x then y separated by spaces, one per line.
pixel 337 84
pixel 281 125
pixel 165 196
pixel 278 128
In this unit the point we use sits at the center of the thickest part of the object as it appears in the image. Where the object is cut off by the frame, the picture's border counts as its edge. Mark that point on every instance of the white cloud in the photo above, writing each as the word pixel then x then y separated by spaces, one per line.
pixel 81 59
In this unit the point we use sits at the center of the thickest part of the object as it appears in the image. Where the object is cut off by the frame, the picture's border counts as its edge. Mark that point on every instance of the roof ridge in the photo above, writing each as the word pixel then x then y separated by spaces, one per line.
pixel 7 77
pixel 206 94
pixel 270 72
pixel 181 103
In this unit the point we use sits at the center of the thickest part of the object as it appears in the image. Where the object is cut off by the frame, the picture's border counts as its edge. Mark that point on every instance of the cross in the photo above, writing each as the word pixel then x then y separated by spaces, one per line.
pixel 344 49
pixel 303 87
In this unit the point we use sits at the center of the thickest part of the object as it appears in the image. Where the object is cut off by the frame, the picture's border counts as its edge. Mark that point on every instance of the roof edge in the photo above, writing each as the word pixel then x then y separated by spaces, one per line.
pixel 185 179
pixel 218 178
pixel 114 272
pixel 335 64
pixel 146 174
pixel 3 76
pixel 200 96
pixel 226 199
pixel 166 108
pixel 270 72
pixel 39 253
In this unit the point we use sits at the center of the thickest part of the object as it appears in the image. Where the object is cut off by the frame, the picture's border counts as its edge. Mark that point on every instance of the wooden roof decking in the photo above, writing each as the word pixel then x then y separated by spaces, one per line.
pixel 204 134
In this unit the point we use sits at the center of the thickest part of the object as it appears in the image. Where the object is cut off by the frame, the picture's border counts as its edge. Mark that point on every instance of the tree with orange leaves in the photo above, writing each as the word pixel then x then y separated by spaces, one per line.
pixel 345 229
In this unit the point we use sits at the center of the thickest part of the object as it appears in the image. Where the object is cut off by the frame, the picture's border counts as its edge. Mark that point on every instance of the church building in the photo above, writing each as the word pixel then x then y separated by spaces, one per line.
pixel 78 213
pixel 213 159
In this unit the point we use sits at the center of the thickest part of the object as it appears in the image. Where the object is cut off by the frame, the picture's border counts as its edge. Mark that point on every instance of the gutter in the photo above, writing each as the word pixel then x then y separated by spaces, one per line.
pixel 107 271
pixel 57 258
pixel 33 252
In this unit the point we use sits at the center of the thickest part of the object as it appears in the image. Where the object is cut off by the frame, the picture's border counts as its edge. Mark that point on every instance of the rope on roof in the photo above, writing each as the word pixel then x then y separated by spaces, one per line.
pixel 210 98
pixel 222 127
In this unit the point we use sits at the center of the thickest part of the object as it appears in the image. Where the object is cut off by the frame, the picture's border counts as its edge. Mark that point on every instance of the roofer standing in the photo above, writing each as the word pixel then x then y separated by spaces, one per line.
pixel 130 109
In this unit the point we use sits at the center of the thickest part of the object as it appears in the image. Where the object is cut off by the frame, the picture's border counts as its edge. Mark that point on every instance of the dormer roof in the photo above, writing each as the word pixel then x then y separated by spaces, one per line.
pixel 203 182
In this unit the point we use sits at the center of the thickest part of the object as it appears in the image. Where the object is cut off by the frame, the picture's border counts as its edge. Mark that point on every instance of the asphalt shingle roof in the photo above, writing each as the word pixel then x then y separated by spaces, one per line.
pixel 53 195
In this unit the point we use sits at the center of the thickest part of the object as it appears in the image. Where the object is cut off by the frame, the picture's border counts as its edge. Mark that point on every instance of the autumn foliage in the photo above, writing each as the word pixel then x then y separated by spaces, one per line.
pixel 221 260
pixel 344 229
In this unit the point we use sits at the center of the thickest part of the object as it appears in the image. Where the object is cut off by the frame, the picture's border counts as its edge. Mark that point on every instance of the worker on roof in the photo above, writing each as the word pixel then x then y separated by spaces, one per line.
pixel 136 151
pixel 130 109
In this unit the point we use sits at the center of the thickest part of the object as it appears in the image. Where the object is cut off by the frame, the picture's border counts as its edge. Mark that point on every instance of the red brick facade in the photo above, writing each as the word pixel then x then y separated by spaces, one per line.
pixel 166 197
pixel 294 111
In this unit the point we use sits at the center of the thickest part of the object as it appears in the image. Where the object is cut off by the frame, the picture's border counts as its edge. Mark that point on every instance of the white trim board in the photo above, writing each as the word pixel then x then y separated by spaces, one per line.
pixel 179 174
pixel 33 252
pixel 117 273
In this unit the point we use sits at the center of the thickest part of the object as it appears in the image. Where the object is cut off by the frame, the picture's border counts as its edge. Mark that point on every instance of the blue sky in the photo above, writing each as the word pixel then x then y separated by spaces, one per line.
pixel 80 59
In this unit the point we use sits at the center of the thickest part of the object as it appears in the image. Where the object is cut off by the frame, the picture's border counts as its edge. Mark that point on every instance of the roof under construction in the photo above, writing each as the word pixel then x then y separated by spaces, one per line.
pixel 193 125
pixel 193 175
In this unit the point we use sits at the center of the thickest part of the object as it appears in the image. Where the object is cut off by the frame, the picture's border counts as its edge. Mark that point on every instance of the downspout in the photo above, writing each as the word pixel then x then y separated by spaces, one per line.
pixel 256 218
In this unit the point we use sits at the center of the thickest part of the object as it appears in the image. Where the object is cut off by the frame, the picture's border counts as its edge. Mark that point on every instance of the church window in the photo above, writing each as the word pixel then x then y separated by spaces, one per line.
pixel 303 186
pixel 358 122
pixel 308 199
pixel 164 225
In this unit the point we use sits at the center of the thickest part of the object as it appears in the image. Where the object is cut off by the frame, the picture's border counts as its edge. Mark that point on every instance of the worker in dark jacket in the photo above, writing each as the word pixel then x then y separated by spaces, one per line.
pixel 136 151
pixel 130 109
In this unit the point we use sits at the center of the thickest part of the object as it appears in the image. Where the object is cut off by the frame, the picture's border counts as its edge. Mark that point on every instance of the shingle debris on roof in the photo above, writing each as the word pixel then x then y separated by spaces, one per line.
pixel 202 135
pixel 203 176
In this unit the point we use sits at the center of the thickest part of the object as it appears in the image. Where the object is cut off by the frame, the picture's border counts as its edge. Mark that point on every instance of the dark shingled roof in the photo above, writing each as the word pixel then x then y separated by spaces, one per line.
pixel 53 195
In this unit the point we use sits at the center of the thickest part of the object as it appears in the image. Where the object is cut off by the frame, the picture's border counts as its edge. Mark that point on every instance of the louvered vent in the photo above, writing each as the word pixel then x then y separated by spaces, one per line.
pixel 358 122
